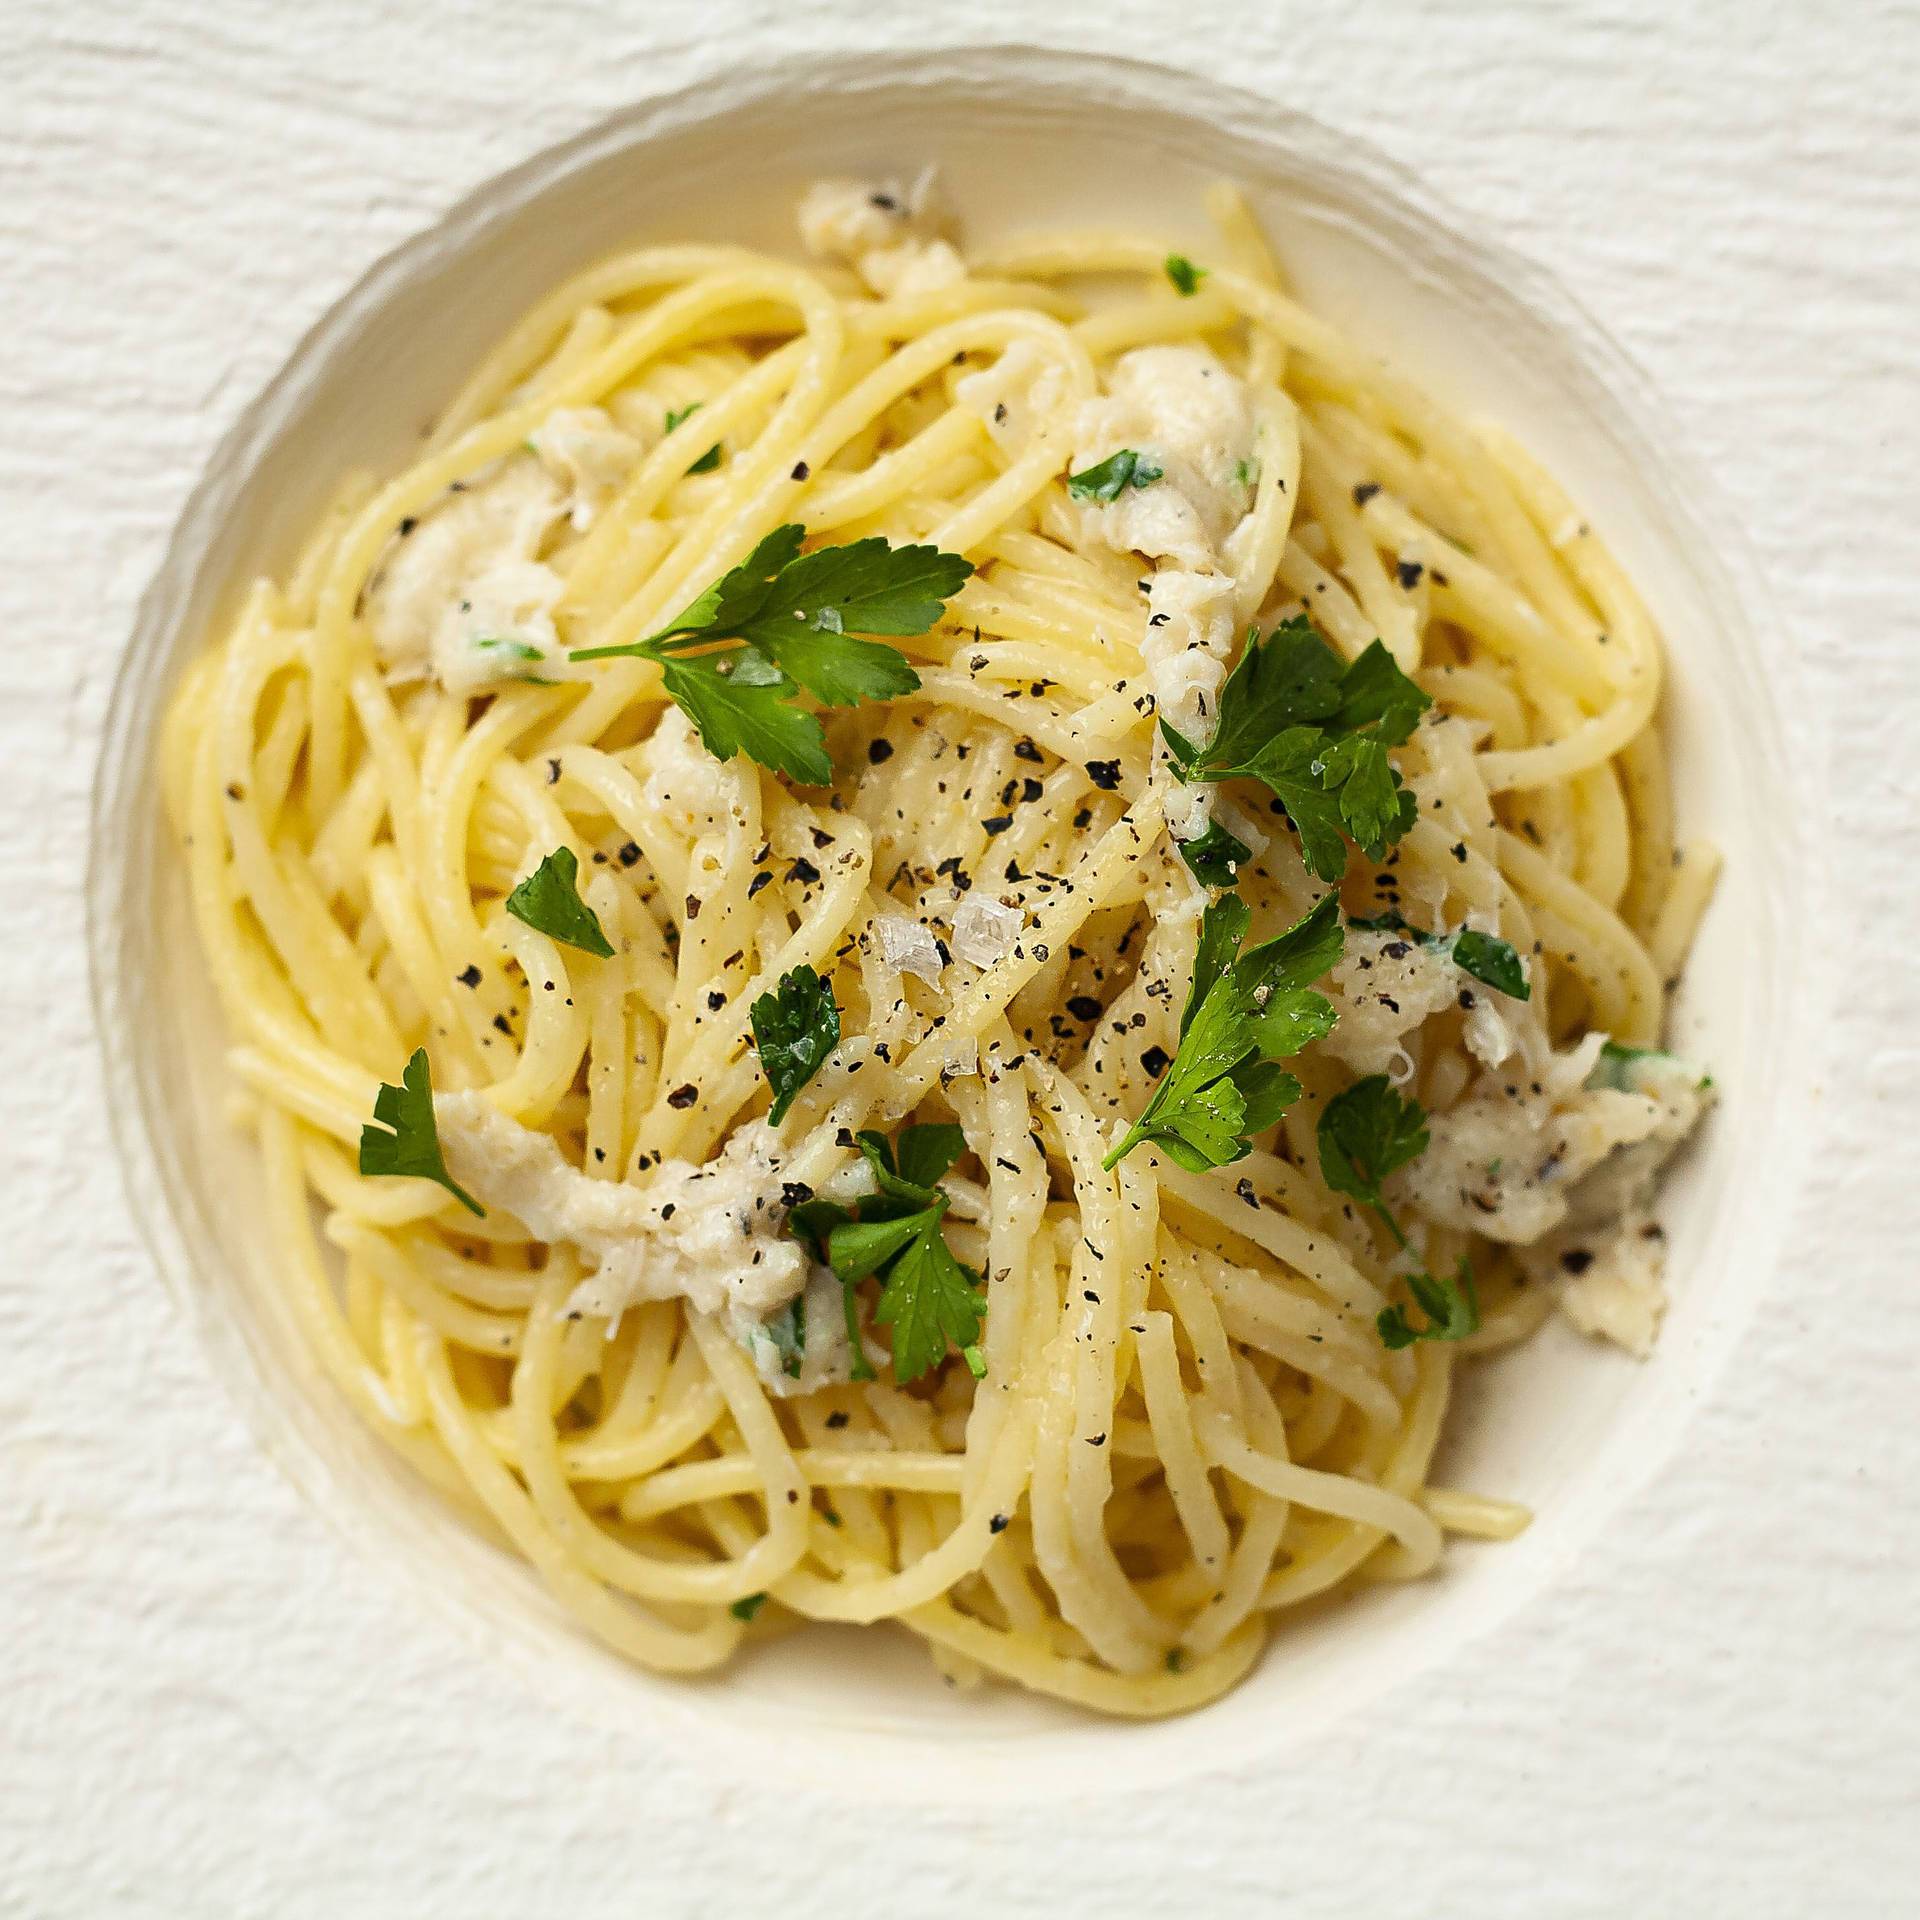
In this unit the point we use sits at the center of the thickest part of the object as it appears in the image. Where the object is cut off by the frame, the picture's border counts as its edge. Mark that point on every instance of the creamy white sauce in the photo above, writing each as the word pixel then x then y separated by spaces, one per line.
pixel 710 1234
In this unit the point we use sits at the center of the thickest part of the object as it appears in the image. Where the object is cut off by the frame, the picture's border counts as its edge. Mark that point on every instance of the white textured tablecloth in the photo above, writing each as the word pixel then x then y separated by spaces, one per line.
pixel 208 1706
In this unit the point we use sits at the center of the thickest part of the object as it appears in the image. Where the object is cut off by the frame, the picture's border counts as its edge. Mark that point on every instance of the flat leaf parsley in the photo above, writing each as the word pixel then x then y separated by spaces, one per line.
pixel 548 900
pixel 1316 733
pixel 1245 1013
pixel 794 1029
pixel 1364 1135
pixel 929 1298
pixel 402 1138
pixel 792 617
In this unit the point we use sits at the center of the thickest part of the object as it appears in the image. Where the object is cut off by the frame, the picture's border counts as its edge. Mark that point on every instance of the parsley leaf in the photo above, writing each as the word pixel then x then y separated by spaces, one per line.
pixel 1245 1012
pixel 548 900
pixel 1292 678
pixel 1185 276
pixel 1451 1306
pixel 737 702
pixel 928 1297
pixel 1113 476
pixel 402 1137
pixel 1291 770
pixel 1489 959
pixel 708 460
pixel 1375 693
pixel 794 1029
pixel 791 617
pixel 1214 858
pixel 1364 1134
pixel 1315 732
pixel 1492 962
pixel 745 1609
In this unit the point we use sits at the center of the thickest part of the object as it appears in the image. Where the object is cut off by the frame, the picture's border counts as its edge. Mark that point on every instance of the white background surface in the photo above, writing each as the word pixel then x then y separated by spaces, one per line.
pixel 208 1706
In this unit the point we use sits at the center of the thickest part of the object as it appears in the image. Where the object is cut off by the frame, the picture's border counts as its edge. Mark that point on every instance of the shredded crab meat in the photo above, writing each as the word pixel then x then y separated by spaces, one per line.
pixel 462 595
pixel 1181 407
pixel 588 455
pixel 1535 1144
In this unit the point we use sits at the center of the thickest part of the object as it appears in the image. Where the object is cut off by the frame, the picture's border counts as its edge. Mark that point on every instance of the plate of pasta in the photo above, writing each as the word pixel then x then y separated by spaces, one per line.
pixel 920 918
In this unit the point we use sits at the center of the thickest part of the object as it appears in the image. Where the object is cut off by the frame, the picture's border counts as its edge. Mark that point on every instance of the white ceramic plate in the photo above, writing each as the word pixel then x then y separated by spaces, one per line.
pixel 1023 139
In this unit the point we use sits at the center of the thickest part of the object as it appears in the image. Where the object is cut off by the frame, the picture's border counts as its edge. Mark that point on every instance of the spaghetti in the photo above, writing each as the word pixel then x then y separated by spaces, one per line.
pixel 1180 1418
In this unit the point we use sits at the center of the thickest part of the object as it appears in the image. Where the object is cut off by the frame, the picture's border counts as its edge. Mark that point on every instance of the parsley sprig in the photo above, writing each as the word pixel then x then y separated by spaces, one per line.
pixel 1365 1134
pixel 794 1029
pixel 791 618
pixel 1316 733
pixel 929 1298
pixel 402 1137
pixel 1489 959
pixel 548 900
pixel 1245 1013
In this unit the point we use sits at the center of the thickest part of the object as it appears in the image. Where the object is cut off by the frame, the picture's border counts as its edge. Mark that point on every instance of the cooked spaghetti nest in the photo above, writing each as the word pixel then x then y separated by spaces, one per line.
pixel 1186 1421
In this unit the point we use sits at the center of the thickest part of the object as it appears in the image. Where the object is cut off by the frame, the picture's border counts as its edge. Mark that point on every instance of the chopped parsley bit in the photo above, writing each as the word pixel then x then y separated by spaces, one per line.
pixel 1245 1013
pixel 1213 859
pixel 1615 1067
pixel 402 1138
pixel 1451 1306
pixel 708 460
pixel 928 1297
pixel 1488 958
pixel 747 1608
pixel 1315 731
pixel 1364 1135
pixel 1185 276
pixel 548 901
pixel 788 1332
pixel 794 1029
pixel 1113 476
pixel 793 616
